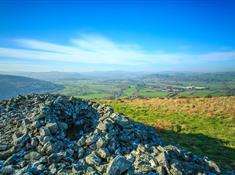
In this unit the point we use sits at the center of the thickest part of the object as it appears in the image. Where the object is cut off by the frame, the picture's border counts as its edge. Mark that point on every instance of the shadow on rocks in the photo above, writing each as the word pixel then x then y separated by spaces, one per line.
pixel 203 145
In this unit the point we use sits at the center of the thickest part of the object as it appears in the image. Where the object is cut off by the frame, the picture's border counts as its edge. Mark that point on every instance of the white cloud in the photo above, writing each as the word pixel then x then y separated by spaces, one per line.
pixel 94 49
pixel 88 49
pixel 218 56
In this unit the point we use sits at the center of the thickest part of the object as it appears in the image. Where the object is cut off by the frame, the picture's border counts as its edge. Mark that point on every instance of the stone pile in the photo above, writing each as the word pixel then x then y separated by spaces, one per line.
pixel 52 134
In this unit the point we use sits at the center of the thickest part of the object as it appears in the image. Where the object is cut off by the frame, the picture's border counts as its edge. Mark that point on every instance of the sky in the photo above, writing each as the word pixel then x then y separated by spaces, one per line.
pixel 126 35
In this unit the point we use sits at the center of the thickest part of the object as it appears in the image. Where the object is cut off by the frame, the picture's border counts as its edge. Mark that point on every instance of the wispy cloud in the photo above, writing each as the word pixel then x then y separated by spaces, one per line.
pixel 88 49
pixel 95 49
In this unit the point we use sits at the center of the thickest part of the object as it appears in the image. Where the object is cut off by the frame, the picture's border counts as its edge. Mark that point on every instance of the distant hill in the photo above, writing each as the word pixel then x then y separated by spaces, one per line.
pixel 12 86
pixel 203 77
pixel 47 76
pixel 56 75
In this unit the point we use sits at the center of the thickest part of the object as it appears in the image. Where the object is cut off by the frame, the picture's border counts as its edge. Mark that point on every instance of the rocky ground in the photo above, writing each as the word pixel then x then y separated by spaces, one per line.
pixel 52 134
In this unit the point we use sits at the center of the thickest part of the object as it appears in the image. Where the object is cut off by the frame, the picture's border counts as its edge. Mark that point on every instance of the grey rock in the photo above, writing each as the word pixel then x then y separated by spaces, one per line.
pixel 41 167
pixel 36 124
pixel 53 168
pixel 140 149
pixel 22 171
pixel 92 139
pixel 63 126
pixel 91 171
pixel 19 139
pixel 46 139
pixel 70 151
pixel 102 142
pixel 38 116
pixel 25 122
pixel 5 154
pixel 153 163
pixel 92 146
pixel 102 168
pixel 43 159
pixel 53 127
pixel 121 120
pixel 130 158
pixel 34 142
pixel 176 170
pixel 1 164
pixel 8 170
pixel 81 141
pixel 112 146
pixel 80 152
pixel 103 152
pixel 55 157
pixel 162 159
pixel 3 147
pixel 11 160
pixel 118 166
pixel 32 156
pixel 214 166
pixel 76 171
pixel 48 148
pixel 45 132
pixel 93 159
pixel 161 170
pixel 58 100
pixel 105 125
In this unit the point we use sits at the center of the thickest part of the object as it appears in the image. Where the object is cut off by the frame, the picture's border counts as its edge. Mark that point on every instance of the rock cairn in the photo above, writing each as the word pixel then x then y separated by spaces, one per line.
pixel 52 134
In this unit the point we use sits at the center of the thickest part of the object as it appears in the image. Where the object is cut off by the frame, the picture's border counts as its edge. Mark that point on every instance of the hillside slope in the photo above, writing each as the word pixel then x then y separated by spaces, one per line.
pixel 51 134
pixel 205 126
pixel 12 86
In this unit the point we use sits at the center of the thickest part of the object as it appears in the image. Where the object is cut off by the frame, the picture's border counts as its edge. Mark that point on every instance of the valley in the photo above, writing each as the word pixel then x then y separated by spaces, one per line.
pixel 151 86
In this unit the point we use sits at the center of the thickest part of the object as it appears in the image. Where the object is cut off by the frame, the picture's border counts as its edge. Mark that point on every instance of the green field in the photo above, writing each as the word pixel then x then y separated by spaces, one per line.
pixel 175 85
pixel 204 126
pixel 86 89
pixel 151 93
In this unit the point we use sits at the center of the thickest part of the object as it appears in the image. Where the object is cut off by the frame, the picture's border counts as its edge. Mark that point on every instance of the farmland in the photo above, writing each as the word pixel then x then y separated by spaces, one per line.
pixel 151 86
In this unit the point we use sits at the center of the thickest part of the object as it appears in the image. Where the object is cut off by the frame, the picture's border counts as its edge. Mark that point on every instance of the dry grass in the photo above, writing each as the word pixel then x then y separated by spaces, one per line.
pixel 211 107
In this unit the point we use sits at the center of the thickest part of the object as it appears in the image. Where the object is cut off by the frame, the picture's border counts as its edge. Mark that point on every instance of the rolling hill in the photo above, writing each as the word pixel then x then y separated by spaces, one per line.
pixel 12 86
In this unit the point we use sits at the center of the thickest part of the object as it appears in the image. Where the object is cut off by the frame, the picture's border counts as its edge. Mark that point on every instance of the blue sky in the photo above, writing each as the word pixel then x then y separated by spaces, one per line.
pixel 134 35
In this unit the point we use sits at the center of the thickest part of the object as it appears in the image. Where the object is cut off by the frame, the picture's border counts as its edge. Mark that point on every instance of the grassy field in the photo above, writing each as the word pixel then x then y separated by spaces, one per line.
pixel 100 89
pixel 204 126
pixel 87 89
pixel 151 93
pixel 151 86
